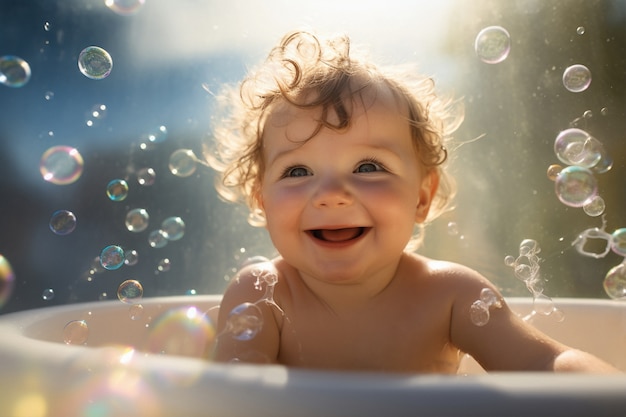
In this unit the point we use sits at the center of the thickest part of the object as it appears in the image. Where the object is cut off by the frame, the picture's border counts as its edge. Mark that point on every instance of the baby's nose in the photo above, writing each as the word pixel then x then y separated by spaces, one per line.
pixel 332 192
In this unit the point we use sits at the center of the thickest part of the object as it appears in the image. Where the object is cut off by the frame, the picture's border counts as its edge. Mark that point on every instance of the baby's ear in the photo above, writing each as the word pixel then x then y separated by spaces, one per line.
pixel 428 189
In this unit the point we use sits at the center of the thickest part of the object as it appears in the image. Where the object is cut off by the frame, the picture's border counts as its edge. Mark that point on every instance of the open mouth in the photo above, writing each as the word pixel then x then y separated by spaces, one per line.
pixel 338 235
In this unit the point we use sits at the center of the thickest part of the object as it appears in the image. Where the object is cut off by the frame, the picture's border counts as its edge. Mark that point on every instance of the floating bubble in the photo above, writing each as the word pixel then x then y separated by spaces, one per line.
pixel 137 220
pixel 576 78
pixel 49 95
pixel 553 171
pixel 575 186
pixel 48 294
pixel 164 265
pixel 182 163
pixel 130 291
pixel 146 176
pixel 173 228
pixel 618 241
pixel 576 147
pixel 453 228
pixel 75 332
pixel 490 298
pixel 595 206
pixel 117 190
pixel 615 282
pixel 157 239
pixel 529 247
pixel 47 26
pixel 580 30
pixel 7 280
pixel 245 321
pixel 14 71
pixel 125 7
pixel 479 313
pixel 62 222
pixel 543 304
pixel 135 312
pixel 131 257
pixel 61 165
pixel 159 135
pixel 184 331
pixel 112 257
pixel 604 165
pixel 509 260
pixel 493 44
pixel 95 63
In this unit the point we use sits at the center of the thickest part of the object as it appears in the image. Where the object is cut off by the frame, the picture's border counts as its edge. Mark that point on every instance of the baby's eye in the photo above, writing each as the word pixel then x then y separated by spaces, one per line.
pixel 292 172
pixel 369 166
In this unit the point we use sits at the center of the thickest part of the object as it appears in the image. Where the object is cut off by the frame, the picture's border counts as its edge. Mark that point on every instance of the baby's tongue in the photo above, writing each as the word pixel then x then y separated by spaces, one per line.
pixel 339 235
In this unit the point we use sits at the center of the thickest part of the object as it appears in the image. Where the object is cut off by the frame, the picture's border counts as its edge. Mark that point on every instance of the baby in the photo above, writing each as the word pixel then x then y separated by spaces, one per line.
pixel 343 162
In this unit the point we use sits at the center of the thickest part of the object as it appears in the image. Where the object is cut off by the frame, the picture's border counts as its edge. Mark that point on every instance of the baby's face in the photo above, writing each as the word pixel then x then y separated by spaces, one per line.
pixel 342 205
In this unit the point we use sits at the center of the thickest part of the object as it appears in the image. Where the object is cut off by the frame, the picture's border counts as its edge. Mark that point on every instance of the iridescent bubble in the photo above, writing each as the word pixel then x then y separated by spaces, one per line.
pixel 576 78
pixel 604 165
pixel 146 176
pixel 184 331
pixel 137 220
pixel 124 7
pixel 131 257
pixel 576 186
pixel 577 147
pixel 182 163
pixel 61 165
pixel 48 294
pixel 173 228
pixel 615 282
pixel 95 63
pixel 595 206
pixel 14 71
pixel 7 280
pixel 112 257
pixel 117 190
pixel 479 313
pixel 157 239
pixel 75 332
pixel 493 44
pixel 245 321
pixel 618 241
pixel 62 222
pixel 553 171
pixel 130 291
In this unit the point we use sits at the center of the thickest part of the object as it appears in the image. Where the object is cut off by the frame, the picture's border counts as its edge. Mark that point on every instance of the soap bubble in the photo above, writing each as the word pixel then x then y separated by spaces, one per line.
pixel 164 265
pixel 173 228
pixel 146 176
pixel 595 206
pixel 14 71
pixel 62 222
pixel 135 312
pixel 137 220
pixel 117 190
pixel 182 163
pixel 576 186
pixel 580 30
pixel 615 282
pixel 95 63
pixel 61 165
pixel 553 171
pixel 490 298
pixel 75 332
pixel 184 331
pixel 48 294
pixel 576 78
pixel 130 291
pixel 453 228
pixel 7 280
pixel 529 247
pixel 131 257
pixel 618 241
pixel 124 7
pixel 543 304
pixel 492 44
pixel 158 135
pixel 479 313
pixel 577 147
pixel 157 239
pixel 245 321
pixel 112 257
pixel 604 165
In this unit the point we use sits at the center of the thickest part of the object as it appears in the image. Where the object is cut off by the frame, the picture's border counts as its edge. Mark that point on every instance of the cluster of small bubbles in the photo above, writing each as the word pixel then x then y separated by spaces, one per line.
pixel 184 331
pixel 14 71
pixel 75 332
pixel 594 207
pixel 131 257
pixel 61 165
pixel 117 190
pixel 95 63
pixel 164 265
pixel 580 30
pixel 182 163
pixel 130 291
pixel 479 310
pixel 97 113
pixel 62 222
pixel 137 220
pixel 7 280
pixel 493 44
pixel 124 7
pixel 576 78
pixel 157 239
pixel 112 257
pixel 146 176
pixel 575 186
pixel 173 228
pixel 47 294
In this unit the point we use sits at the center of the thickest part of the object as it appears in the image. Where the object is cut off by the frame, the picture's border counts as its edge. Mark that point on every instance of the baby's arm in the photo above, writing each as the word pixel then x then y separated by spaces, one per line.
pixel 506 342
pixel 239 337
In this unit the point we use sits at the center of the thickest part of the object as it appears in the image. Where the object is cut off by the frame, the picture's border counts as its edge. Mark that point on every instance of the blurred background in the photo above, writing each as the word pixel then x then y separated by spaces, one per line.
pixel 169 57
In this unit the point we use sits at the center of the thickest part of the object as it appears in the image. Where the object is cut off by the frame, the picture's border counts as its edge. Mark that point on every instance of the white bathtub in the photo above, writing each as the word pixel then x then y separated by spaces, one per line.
pixel 41 376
